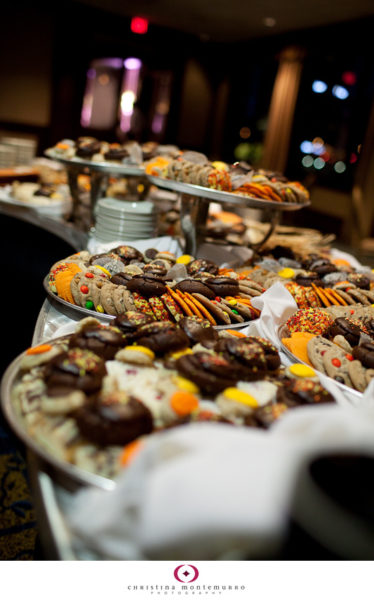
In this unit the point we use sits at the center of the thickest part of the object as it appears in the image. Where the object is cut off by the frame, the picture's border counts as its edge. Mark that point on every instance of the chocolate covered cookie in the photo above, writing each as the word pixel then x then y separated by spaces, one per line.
pixel 161 337
pixel 200 264
pixel 303 391
pixel 350 330
pixel 103 341
pixel 128 253
pixel 271 353
pixel 146 285
pixel 212 373
pixel 223 286
pixel 87 147
pixel 114 419
pixel 194 286
pixel 248 357
pixel 199 331
pixel 365 354
pixel 75 369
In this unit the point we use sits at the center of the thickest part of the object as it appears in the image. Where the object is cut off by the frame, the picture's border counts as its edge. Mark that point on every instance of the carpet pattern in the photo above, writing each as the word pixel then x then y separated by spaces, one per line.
pixel 17 517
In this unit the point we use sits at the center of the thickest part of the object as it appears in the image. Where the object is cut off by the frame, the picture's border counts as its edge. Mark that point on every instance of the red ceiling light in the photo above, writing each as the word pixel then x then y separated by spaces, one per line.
pixel 139 25
pixel 349 78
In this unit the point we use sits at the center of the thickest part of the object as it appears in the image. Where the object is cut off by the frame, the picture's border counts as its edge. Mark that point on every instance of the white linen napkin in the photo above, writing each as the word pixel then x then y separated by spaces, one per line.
pixel 210 491
pixel 198 491
pixel 276 305
pixel 160 243
pixel 335 253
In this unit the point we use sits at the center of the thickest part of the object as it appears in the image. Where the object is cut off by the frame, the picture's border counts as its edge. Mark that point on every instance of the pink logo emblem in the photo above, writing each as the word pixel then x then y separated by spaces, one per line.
pixel 186 573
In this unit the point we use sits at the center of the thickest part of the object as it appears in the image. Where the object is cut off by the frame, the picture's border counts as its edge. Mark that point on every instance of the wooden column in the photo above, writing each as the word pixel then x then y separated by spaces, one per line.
pixel 363 190
pixel 282 109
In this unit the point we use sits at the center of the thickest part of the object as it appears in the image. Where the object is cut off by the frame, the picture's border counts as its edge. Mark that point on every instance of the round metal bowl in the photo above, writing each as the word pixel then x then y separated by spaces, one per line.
pixel 111 168
pixel 78 312
pixel 67 474
pixel 223 197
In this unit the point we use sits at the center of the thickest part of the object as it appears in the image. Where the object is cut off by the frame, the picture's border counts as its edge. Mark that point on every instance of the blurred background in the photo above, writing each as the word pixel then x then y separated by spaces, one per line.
pixel 285 87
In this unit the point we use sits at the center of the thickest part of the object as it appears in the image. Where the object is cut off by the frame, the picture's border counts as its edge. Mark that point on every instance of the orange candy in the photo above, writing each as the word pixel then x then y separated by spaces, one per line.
pixel 183 403
pixel 238 334
pixel 297 344
pixel 63 280
pixel 39 349
pixel 130 451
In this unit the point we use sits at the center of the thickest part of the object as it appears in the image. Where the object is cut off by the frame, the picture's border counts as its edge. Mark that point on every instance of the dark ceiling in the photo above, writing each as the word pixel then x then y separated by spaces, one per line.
pixel 239 20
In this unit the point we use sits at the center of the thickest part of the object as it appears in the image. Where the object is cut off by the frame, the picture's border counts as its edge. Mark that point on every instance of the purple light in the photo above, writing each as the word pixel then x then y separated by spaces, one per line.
pixel 91 73
pixel 112 63
pixel 132 64
pixel 157 123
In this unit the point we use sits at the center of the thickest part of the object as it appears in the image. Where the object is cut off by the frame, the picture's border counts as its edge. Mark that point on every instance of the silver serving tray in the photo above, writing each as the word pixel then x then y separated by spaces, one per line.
pixel 68 475
pixel 72 310
pixel 78 312
pixel 283 332
pixel 103 167
pixel 223 197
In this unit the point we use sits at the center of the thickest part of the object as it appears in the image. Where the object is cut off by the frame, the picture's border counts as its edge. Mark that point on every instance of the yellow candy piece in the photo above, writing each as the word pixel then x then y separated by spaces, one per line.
pixel 185 384
pixel 236 395
pixel 221 166
pixel 99 308
pixel 140 188
pixel 142 349
pixel 103 269
pixel 302 370
pixel 180 353
pixel 185 259
pixel 233 302
pixel 286 273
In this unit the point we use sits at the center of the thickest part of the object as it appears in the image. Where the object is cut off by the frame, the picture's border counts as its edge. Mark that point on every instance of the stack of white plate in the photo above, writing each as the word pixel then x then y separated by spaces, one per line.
pixel 119 219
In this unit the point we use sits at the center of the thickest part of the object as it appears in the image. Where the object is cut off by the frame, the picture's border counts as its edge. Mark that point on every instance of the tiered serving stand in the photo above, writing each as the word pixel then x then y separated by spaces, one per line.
pixel 99 173
pixel 194 199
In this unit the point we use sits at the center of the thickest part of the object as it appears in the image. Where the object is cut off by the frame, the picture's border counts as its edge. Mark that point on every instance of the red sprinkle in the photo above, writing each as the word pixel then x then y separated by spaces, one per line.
pixel 89 275
pixel 352 311
pixel 84 289
pixel 349 356
pixel 218 299
pixel 336 362
pixel 323 352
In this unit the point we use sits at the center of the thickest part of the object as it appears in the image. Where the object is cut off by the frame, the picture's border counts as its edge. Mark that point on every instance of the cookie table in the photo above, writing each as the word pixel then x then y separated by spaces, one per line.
pixel 62 229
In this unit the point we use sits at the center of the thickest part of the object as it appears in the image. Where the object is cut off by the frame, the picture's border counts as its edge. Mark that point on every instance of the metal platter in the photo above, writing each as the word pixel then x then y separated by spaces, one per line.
pixel 66 473
pixel 223 197
pixel 78 312
pixel 283 332
pixel 71 310
pixel 111 168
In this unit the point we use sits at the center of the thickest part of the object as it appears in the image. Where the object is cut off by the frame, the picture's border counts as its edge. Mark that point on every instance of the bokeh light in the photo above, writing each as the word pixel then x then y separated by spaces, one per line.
pixel 132 63
pixel 245 133
pixel 349 78
pixel 340 92
pixel 318 86
pixel 306 147
pixel 139 25
pixel 103 79
pixel 307 161
pixel 319 163
pixel 340 167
